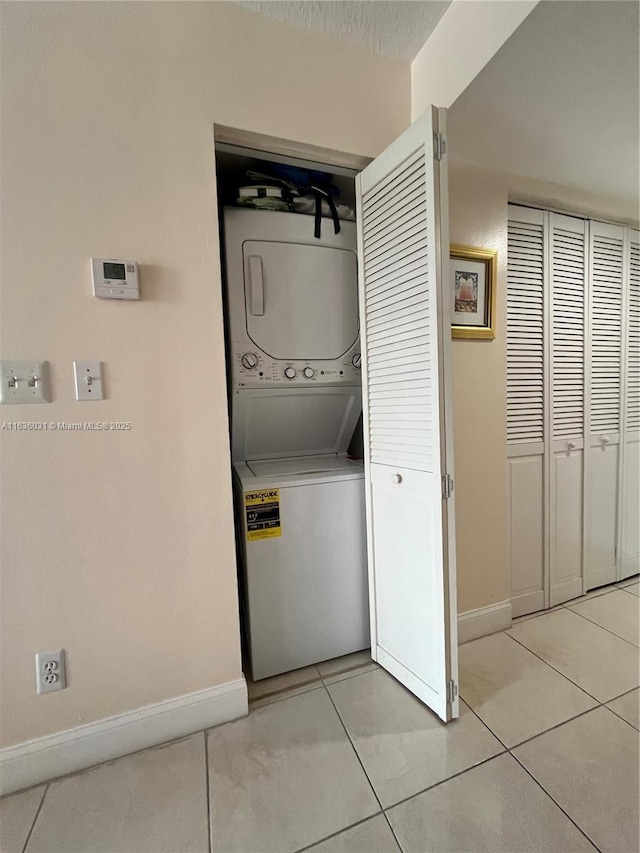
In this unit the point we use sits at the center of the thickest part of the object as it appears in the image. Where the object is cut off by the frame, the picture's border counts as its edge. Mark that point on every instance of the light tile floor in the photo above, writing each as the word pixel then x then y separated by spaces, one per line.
pixel 339 758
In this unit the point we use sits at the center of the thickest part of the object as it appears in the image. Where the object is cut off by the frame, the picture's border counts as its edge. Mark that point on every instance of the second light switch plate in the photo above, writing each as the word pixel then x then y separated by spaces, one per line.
pixel 88 375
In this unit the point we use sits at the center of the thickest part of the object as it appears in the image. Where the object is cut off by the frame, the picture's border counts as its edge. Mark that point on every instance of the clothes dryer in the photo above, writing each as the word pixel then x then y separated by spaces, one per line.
pixel 292 301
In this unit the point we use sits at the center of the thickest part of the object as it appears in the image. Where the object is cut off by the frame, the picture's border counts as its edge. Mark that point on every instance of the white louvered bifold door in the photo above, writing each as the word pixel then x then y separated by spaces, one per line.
pixel 405 333
pixel 567 249
pixel 604 359
pixel 526 307
pixel 630 533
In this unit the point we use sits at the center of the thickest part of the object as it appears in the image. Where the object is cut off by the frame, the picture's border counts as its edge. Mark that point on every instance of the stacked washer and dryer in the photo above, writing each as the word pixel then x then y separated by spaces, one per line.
pixel 295 401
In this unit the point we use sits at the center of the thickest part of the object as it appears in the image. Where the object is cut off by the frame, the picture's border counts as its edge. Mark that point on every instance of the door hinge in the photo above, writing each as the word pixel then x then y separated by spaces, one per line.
pixel 439 146
pixel 452 692
pixel 447 486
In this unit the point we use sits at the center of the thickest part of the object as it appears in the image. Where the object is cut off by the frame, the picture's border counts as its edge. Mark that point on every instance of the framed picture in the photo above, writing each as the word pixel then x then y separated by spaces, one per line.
pixel 473 292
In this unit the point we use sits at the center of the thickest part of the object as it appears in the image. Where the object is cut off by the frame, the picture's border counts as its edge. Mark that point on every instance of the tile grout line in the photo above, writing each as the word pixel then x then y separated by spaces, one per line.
pixel 626 693
pixel 393 832
pixel 275 693
pixel 381 810
pixel 339 832
pixel 375 793
pixel 539 784
pixel 449 778
pixel 208 781
pixel 37 815
pixel 276 699
pixel 351 674
pixel 553 728
pixel 551 666
pixel 311 684
pixel 544 790
pixel 615 713
pixel 626 589
pixel 586 618
pixel 357 754
pixel 598 704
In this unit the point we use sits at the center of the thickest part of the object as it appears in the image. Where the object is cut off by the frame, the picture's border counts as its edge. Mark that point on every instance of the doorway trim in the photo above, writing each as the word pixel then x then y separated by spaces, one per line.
pixel 276 147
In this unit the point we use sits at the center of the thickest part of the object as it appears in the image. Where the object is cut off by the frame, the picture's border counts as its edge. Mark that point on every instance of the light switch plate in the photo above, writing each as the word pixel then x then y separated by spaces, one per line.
pixel 88 375
pixel 24 382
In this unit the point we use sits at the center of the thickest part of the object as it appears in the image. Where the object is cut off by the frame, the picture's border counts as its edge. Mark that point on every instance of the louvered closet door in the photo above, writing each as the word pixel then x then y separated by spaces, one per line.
pixel 630 558
pixel 404 256
pixel 525 406
pixel 567 246
pixel 605 351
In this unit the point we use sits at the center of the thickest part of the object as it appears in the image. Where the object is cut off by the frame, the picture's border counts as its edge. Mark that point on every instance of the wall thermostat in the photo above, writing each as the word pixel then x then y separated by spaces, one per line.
pixel 115 279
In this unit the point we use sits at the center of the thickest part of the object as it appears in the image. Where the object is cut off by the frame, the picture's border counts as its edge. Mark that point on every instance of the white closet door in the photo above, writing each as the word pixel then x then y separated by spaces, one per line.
pixel 605 353
pixel 525 407
pixel 404 311
pixel 567 266
pixel 630 562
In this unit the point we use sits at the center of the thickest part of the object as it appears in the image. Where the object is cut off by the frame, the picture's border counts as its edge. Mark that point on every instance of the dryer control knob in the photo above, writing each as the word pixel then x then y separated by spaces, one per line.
pixel 290 372
pixel 309 372
pixel 355 361
pixel 249 360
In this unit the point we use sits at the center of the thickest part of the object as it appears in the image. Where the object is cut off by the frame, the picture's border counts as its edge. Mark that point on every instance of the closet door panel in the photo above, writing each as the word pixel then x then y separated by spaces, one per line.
pixel 407 426
pixel 605 359
pixel 566 529
pixel 603 527
pixel 526 482
pixel 568 275
pixel 525 407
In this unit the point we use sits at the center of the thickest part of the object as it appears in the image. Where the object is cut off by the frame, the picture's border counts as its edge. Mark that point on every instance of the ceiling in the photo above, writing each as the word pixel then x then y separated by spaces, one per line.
pixel 559 101
pixel 396 29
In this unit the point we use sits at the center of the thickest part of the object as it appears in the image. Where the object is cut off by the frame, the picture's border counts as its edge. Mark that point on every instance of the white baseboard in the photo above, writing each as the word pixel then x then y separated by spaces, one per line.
pixel 527 602
pixel 483 621
pixel 630 566
pixel 45 758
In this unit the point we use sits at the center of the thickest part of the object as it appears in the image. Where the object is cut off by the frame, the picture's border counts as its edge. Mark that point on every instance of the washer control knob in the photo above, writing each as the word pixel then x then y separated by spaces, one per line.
pixel 309 372
pixel 355 361
pixel 290 372
pixel 249 360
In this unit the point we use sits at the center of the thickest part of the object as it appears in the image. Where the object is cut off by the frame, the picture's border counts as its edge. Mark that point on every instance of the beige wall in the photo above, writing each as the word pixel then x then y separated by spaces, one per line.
pixel 119 546
pixel 478 217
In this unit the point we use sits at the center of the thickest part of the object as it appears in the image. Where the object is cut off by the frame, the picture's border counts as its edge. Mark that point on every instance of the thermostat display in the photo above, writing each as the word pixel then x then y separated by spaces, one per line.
pixel 112 271
pixel 115 279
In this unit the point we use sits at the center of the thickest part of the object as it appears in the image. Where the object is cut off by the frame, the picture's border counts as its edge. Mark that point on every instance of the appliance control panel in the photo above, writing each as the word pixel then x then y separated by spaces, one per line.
pixel 254 369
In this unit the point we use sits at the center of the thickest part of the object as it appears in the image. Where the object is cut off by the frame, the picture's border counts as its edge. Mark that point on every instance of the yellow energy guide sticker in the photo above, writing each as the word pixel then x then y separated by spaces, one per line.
pixel 262 509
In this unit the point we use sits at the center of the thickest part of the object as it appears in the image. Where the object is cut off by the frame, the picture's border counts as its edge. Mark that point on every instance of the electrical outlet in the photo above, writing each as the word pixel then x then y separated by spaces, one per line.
pixel 51 673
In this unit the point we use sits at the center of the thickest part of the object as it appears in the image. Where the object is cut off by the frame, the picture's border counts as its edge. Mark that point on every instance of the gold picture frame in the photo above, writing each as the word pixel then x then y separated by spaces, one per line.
pixel 473 293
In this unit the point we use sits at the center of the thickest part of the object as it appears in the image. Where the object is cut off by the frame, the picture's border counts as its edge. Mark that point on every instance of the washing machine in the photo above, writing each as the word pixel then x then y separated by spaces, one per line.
pixel 300 516
pixel 303 560
pixel 295 402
